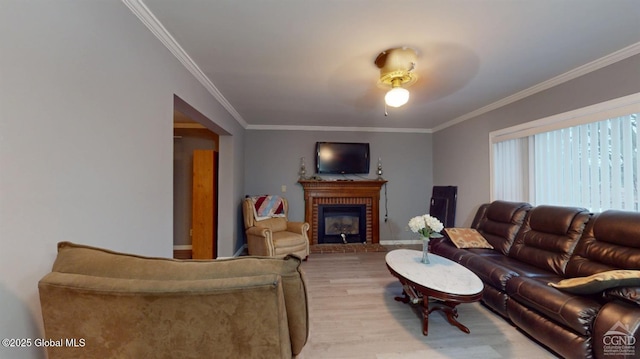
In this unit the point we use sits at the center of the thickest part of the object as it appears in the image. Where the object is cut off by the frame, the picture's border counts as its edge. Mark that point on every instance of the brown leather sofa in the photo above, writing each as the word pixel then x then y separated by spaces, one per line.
pixel 535 246
pixel 102 304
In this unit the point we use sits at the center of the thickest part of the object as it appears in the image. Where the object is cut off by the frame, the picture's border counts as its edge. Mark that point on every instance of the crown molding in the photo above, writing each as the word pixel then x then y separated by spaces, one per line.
pixel 155 26
pixel 612 58
pixel 617 107
pixel 338 128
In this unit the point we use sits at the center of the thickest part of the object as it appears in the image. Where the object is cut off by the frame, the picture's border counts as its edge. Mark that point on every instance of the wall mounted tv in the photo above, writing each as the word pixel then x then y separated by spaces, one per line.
pixel 342 157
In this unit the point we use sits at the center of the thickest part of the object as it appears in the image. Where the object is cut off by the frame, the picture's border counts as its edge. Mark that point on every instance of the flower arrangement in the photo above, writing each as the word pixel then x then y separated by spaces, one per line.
pixel 427 226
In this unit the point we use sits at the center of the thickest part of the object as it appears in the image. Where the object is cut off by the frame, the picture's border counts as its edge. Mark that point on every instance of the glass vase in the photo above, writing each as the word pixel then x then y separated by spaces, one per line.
pixel 425 250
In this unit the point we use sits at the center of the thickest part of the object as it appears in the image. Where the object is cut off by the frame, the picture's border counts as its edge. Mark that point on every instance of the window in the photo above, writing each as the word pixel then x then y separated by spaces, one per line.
pixel 588 158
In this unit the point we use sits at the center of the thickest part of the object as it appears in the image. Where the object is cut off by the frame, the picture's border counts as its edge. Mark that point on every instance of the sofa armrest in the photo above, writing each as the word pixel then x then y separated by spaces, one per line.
pixel 480 216
pixel 131 318
pixel 616 331
pixel 626 294
pixel 298 227
pixel 260 241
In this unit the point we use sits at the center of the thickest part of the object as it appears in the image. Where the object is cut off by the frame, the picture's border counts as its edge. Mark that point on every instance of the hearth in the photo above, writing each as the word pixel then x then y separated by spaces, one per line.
pixel 342 223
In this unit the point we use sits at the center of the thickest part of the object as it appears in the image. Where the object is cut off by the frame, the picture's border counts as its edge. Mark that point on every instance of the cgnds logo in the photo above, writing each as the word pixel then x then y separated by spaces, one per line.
pixel 619 341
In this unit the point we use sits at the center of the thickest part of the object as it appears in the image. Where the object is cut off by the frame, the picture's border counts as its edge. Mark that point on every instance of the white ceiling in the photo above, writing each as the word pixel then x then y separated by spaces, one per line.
pixel 286 63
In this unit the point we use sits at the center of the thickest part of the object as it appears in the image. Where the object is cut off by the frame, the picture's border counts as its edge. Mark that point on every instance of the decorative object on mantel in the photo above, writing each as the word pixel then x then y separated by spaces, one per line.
pixel 380 169
pixel 428 227
pixel 302 174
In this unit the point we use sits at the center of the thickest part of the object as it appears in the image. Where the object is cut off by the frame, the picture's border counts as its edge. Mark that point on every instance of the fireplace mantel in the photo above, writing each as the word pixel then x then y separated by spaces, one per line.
pixel 365 192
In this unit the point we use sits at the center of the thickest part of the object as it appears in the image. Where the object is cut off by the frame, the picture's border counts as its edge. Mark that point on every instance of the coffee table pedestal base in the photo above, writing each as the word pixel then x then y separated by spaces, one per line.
pixel 452 313
pixel 448 307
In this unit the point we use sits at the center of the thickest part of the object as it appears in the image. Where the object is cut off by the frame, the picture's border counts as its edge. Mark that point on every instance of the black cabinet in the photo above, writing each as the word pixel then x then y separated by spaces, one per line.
pixel 443 204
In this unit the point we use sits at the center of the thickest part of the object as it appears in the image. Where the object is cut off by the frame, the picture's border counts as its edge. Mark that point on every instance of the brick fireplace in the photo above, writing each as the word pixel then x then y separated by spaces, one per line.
pixel 365 194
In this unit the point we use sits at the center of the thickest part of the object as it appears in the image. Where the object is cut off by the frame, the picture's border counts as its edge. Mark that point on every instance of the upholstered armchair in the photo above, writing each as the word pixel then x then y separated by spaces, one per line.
pixel 274 236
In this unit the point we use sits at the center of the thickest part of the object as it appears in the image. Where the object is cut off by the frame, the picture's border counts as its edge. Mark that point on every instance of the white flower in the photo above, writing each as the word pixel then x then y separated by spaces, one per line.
pixel 426 225
pixel 433 223
pixel 416 224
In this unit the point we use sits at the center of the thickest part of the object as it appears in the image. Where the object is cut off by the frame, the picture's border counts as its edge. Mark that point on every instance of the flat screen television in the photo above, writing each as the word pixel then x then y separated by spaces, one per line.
pixel 342 157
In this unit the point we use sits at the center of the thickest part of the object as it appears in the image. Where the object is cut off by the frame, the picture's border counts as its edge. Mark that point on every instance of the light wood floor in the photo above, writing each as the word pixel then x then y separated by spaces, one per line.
pixel 353 315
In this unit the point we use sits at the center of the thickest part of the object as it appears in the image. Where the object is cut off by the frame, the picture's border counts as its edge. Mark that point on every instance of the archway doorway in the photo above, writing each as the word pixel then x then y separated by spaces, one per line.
pixel 195 187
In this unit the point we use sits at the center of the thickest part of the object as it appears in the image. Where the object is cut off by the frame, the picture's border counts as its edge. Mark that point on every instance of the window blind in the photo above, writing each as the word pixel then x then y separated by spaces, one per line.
pixel 587 157
pixel 593 165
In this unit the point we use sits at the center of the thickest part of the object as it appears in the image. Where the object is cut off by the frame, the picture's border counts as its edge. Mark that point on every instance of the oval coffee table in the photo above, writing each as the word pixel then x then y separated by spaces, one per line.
pixel 446 281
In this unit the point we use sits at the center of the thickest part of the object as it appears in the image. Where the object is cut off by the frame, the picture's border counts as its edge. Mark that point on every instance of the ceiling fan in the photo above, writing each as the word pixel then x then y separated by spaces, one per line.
pixel 397 73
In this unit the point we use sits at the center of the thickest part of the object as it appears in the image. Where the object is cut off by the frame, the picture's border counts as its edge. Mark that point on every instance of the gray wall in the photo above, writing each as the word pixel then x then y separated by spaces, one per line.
pixel 273 158
pixel 86 145
pixel 461 152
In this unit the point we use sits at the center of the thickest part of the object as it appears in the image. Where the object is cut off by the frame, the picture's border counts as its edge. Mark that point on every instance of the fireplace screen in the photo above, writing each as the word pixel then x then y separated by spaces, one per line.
pixel 342 224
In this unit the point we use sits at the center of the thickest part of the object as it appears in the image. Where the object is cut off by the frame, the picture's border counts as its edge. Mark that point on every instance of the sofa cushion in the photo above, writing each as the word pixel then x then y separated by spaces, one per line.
pixel 275 224
pixel 490 271
pixel 483 252
pixel 502 222
pixel 504 211
pixel 570 310
pixel 286 239
pixel 610 241
pixel 496 269
pixel 445 248
pixel 467 238
pixel 548 237
pixel 599 282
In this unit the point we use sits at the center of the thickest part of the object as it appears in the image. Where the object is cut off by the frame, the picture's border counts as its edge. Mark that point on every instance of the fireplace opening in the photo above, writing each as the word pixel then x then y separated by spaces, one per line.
pixel 342 223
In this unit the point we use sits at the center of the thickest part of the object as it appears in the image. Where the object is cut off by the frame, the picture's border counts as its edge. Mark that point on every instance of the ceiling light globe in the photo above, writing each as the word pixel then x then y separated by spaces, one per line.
pixel 396 97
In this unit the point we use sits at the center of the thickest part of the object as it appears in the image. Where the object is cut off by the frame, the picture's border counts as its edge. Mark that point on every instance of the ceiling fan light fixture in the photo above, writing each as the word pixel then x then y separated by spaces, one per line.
pixel 396 97
pixel 396 71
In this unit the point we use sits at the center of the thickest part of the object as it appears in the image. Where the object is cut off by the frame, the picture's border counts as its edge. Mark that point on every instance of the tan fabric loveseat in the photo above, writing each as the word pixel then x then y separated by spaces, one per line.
pixel 125 306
